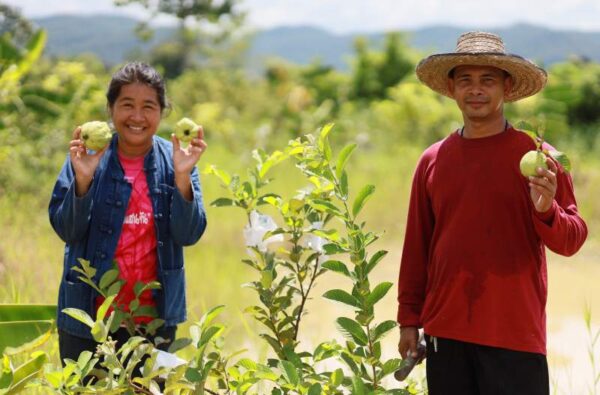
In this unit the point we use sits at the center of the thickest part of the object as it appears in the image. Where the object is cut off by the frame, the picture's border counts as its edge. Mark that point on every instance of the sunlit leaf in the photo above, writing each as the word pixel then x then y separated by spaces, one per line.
pixel 361 199
pixel 352 330
pixel 342 296
pixel 378 292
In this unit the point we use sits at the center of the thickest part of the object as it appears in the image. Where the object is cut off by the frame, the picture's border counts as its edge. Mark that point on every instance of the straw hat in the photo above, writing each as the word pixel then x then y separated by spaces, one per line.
pixel 482 49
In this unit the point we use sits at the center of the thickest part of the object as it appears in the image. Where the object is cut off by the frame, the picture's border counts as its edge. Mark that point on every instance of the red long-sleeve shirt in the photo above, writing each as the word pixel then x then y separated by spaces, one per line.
pixel 473 266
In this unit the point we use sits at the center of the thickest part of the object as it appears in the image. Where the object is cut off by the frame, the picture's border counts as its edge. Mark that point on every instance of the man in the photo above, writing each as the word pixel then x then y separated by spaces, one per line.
pixel 473 272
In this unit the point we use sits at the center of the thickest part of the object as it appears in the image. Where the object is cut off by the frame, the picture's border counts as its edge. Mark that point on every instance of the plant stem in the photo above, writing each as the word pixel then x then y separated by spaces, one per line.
pixel 375 385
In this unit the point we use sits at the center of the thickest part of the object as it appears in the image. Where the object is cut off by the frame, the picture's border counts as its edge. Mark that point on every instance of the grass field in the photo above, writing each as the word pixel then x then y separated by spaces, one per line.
pixel 31 260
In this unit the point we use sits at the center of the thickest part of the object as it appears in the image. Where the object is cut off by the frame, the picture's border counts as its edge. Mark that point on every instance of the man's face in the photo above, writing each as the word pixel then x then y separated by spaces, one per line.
pixel 479 91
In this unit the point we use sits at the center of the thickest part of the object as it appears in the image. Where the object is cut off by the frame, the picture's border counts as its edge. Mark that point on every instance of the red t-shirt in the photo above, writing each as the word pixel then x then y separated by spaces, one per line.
pixel 473 265
pixel 136 250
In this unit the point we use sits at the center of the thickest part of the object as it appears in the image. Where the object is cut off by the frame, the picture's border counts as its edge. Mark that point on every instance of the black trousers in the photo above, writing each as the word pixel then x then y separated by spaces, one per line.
pixel 71 346
pixel 460 368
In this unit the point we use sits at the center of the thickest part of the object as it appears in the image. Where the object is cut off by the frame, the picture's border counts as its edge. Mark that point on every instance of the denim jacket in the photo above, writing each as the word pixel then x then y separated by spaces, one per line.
pixel 90 227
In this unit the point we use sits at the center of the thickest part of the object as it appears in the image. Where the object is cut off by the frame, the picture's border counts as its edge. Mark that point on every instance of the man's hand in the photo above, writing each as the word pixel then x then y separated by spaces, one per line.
pixel 543 187
pixel 84 164
pixel 409 336
pixel 184 160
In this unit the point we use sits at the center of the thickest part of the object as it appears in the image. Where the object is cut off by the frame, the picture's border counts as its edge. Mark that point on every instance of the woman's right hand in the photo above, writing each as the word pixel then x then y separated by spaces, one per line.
pixel 84 164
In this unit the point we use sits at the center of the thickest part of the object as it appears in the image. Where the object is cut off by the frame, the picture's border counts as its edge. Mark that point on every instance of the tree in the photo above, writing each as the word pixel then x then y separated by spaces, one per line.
pixel 13 26
pixel 376 72
pixel 202 25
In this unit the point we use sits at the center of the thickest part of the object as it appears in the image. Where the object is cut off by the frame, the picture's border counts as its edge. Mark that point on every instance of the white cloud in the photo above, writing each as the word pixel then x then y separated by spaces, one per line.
pixel 344 16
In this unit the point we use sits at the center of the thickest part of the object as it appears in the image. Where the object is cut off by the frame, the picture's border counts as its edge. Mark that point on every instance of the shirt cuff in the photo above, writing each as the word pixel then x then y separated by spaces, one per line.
pixel 547 217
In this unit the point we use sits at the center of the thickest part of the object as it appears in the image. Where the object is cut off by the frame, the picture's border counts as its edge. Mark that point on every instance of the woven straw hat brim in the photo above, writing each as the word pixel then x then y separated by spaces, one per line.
pixel 528 79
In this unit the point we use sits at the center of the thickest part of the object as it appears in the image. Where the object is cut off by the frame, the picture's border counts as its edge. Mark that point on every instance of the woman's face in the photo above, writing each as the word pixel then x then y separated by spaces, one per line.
pixel 136 115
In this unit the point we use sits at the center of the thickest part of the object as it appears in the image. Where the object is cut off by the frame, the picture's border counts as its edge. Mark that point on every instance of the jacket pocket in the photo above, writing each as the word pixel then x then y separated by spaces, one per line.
pixel 77 295
pixel 173 288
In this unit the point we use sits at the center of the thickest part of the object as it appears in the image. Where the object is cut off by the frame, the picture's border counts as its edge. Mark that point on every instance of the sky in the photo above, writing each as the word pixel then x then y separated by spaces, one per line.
pixel 353 16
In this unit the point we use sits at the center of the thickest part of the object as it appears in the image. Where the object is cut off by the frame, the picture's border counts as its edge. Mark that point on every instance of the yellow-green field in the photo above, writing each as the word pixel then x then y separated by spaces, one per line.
pixel 31 261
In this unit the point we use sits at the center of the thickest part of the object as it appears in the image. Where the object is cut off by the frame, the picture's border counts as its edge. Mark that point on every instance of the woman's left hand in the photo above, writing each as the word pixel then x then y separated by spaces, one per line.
pixel 184 160
pixel 543 187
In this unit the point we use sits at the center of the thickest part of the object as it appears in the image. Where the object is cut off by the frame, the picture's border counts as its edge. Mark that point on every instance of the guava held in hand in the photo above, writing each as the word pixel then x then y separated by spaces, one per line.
pixel 186 130
pixel 95 135
pixel 531 161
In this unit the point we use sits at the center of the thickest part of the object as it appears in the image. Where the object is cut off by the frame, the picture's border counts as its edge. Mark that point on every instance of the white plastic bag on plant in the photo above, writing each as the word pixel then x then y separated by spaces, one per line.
pixel 255 231
pixel 315 242
pixel 166 360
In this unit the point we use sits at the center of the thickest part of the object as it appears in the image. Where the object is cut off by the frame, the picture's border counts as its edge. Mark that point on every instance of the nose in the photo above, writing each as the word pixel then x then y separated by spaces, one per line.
pixel 137 114
pixel 475 89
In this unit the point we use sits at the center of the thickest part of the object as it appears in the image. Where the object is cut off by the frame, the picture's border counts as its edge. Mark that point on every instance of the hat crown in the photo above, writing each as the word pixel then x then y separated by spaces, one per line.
pixel 479 42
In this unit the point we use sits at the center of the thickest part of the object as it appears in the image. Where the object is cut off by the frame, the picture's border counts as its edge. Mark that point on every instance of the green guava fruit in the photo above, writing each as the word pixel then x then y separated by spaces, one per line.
pixel 531 161
pixel 95 135
pixel 186 130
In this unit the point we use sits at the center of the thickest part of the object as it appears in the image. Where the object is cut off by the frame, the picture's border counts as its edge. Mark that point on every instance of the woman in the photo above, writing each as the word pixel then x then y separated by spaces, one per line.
pixel 138 201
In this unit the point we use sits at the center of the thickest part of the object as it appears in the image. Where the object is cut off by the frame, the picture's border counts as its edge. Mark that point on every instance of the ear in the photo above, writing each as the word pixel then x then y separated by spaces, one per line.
pixel 508 84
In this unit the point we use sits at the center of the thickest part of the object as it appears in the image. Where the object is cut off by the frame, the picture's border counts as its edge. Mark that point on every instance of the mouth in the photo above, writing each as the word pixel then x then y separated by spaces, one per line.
pixel 136 129
pixel 476 104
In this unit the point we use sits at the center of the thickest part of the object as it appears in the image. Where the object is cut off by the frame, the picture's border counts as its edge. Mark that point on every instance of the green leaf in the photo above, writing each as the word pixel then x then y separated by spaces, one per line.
pixel 361 199
pixel 114 288
pixel 101 313
pixel 375 260
pixel 531 131
pixel 344 186
pixel 84 358
pixel 352 330
pixel 315 389
pixel 561 158
pixel 378 292
pixel 179 344
pixel 24 327
pixel 79 315
pixel 323 135
pixel 337 376
pixel 222 175
pixel 291 374
pixel 118 318
pixel 27 371
pixel 146 311
pixel 391 366
pixel 338 267
pixel 134 304
pixel 342 296
pixel 325 206
pixel 108 278
pixel 247 364
pixel 27 312
pixel 99 331
pixel 153 325
pixel 382 329
pixel 210 315
pixel 343 158
pixel 329 234
pixel 333 248
pixel 86 268
pixel 193 375
pixel 209 334
pixel 358 387
pixel 140 287
pixel 275 158
pixel 222 202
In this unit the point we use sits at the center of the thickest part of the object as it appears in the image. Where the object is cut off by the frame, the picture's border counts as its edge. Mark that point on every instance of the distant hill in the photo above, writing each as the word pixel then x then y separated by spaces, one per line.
pixel 111 38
